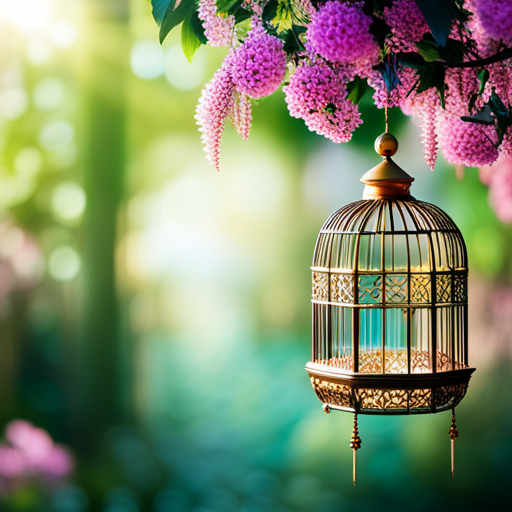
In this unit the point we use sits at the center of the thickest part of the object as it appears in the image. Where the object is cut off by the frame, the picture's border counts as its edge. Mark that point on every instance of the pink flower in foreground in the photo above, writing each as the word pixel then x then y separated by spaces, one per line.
pixel 257 67
pixel 407 24
pixel 499 179
pixel 57 464
pixel 214 107
pixel 394 98
pixel 468 144
pixel 312 87
pixel 495 17
pixel 12 462
pixel 340 33
pixel 462 84
pixel 35 443
pixel 219 29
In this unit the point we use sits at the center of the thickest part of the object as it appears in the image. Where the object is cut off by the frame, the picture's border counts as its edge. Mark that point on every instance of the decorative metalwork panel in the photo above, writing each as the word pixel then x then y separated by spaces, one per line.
pixel 420 361
pixel 370 361
pixel 444 288
pixel 370 289
pixel 396 289
pixel 331 393
pixel 460 288
pixel 396 361
pixel 449 396
pixel 382 399
pixel 343 363
pixel 342 288
pixel 320 286
pixel 420 399
pixel 420 288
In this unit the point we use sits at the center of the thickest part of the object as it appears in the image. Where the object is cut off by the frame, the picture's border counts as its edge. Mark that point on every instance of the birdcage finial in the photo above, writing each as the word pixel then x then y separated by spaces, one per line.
pixel 387 180
pixel 355 444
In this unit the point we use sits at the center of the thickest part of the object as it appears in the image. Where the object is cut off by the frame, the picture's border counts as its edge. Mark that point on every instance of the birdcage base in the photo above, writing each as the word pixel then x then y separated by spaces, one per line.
pixel 389 394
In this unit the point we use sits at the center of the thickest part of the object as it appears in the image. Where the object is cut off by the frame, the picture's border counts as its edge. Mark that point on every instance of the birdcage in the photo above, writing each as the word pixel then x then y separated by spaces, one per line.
pixel 390 314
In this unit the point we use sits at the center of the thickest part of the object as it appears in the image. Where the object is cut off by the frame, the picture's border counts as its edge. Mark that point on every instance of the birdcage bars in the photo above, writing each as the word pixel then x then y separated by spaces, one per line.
pixel 390 299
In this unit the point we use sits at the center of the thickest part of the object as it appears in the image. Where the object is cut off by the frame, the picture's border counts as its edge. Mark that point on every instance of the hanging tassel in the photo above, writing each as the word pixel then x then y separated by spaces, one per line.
pixel 454 433
pixel 355 444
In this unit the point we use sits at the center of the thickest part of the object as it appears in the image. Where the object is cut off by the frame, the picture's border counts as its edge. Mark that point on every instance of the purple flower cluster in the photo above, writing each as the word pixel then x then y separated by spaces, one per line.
pixel 340 33
pixel 257 67
pixel 312 87
pixel 317 95
pixel 407 23
pixel 495 18
pixel 467 144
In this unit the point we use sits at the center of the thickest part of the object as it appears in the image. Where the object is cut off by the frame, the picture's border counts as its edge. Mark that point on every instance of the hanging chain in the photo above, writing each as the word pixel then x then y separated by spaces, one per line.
pixel 454 433
pixel 355 444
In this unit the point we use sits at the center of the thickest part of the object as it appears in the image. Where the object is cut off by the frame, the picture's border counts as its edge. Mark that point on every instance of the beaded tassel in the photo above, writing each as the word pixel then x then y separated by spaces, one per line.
pixel 454 433
pixel 355 444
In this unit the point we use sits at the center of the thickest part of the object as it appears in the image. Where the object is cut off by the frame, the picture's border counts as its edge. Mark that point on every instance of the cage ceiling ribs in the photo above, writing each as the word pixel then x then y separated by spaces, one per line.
pixel 390 315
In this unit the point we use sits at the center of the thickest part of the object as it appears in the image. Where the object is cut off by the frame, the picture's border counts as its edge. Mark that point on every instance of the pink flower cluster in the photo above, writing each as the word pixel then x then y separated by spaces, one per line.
pixel 253 70
pixel 469 144
pixel 317 95
pixel 498 177
pixel 30 452
pixel 340 33
pixel 219 29
pixel 407 24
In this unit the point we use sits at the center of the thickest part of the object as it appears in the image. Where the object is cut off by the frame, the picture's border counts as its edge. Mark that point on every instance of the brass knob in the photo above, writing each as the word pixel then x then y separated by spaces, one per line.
pixel 386 145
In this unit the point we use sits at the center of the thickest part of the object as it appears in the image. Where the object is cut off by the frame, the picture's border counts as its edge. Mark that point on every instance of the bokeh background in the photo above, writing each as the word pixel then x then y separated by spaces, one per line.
pixel 155 315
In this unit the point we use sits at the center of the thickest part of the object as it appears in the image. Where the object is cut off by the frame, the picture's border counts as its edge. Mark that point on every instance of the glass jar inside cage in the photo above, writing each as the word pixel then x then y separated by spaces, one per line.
pixel 390 318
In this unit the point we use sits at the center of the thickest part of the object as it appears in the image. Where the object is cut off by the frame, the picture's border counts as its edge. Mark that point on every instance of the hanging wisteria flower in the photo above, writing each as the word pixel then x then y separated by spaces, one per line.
pixel 382 97
pixel 340 33
pixel 408 25
pixel 241 115
pixel 461 84
pixel 258 66
pixel 214 107
pixel 219 29
pixel 312 87
pixel 426 106
pixel 469 144
pixel 495 18
pixel 499 179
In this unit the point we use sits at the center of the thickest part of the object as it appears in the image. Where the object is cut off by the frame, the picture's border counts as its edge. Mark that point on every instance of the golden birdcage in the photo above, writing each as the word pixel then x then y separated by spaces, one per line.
pixel 390 311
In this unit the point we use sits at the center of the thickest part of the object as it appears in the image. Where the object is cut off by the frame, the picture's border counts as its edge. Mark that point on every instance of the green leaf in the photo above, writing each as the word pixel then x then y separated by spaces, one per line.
pixel 432 75
pixel 292 42
pixel 197 26
pixel 168 16
pixel 439 15
pixel 483 76
pixel 270 10
pixel 428 50
pixel 356 90
pixel 189 40
pixel 159 10
pixel 227 5
pixel 483 116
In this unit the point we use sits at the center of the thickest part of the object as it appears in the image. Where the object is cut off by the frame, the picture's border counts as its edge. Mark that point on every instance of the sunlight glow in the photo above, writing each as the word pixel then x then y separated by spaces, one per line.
pixel 28 15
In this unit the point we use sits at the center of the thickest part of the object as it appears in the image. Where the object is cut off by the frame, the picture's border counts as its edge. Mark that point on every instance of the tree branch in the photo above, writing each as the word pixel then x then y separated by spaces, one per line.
pixel 478 63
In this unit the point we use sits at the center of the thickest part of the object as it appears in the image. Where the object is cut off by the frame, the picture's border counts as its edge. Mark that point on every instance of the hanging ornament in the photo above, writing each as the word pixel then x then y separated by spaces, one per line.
pixel 390 311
